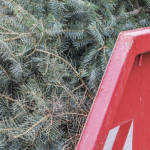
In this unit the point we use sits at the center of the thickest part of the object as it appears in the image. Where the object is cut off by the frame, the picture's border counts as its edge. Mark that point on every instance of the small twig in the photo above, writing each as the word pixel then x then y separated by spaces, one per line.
pixel 7 33
pixel 137 4
pixel 131 3
pixel 6 97
pixel 7 30
pixel 46 66
pixel 57 145
pixel 5 72
pixel 71 114
pixel 50 126
pixel 47 61
pixel 133 13
pixel 105 55
pixel 7 47
pixel 22 108
pixel 30 53
pixel 1 130
pixel 70 94
pixel 15 44
pixel 37 133
pixel 41 35
pixel 69 139
pixel 11 39
pixel 67 121
pixel 16 38
pixel 32 127
pixel 77 87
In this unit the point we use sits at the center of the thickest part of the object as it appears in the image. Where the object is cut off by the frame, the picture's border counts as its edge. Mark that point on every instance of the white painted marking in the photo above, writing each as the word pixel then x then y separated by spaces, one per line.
pixel 128 142
pixel 111 138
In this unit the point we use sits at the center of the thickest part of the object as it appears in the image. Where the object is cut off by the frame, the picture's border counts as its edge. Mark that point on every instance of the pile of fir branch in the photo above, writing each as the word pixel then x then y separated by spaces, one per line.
pixel 52 57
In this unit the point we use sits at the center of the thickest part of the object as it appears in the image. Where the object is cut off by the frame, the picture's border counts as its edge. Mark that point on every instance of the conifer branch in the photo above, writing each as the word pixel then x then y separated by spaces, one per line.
pixel 77 88
pixel 6 97
pixel 70 114
pixel 13 129
pixel 70 94
pixel 5 72
pixel 68 65
pixel 38 131
pixel 7 48
pixel 6 29
pixel 50 96
pixel 17 136
pixel 41 35
pixel 8 33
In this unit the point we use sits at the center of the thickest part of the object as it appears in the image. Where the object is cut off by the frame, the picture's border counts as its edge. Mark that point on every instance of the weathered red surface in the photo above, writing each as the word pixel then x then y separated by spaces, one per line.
pixel 124 94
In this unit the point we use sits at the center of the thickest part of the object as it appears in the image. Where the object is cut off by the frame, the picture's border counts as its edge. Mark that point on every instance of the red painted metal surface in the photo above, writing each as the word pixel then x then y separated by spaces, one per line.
pixel 121 136
pixel 124 95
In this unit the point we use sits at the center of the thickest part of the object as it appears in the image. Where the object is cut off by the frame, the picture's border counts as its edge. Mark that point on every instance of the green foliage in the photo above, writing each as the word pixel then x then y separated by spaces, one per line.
pixel 53 54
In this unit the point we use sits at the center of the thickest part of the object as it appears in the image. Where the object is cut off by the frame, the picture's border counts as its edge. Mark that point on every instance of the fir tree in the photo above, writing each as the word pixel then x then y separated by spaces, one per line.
pixel 53 54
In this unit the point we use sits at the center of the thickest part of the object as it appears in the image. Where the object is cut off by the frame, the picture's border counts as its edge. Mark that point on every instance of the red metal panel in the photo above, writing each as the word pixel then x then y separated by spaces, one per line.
pixel 121 136
pixel 123 94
